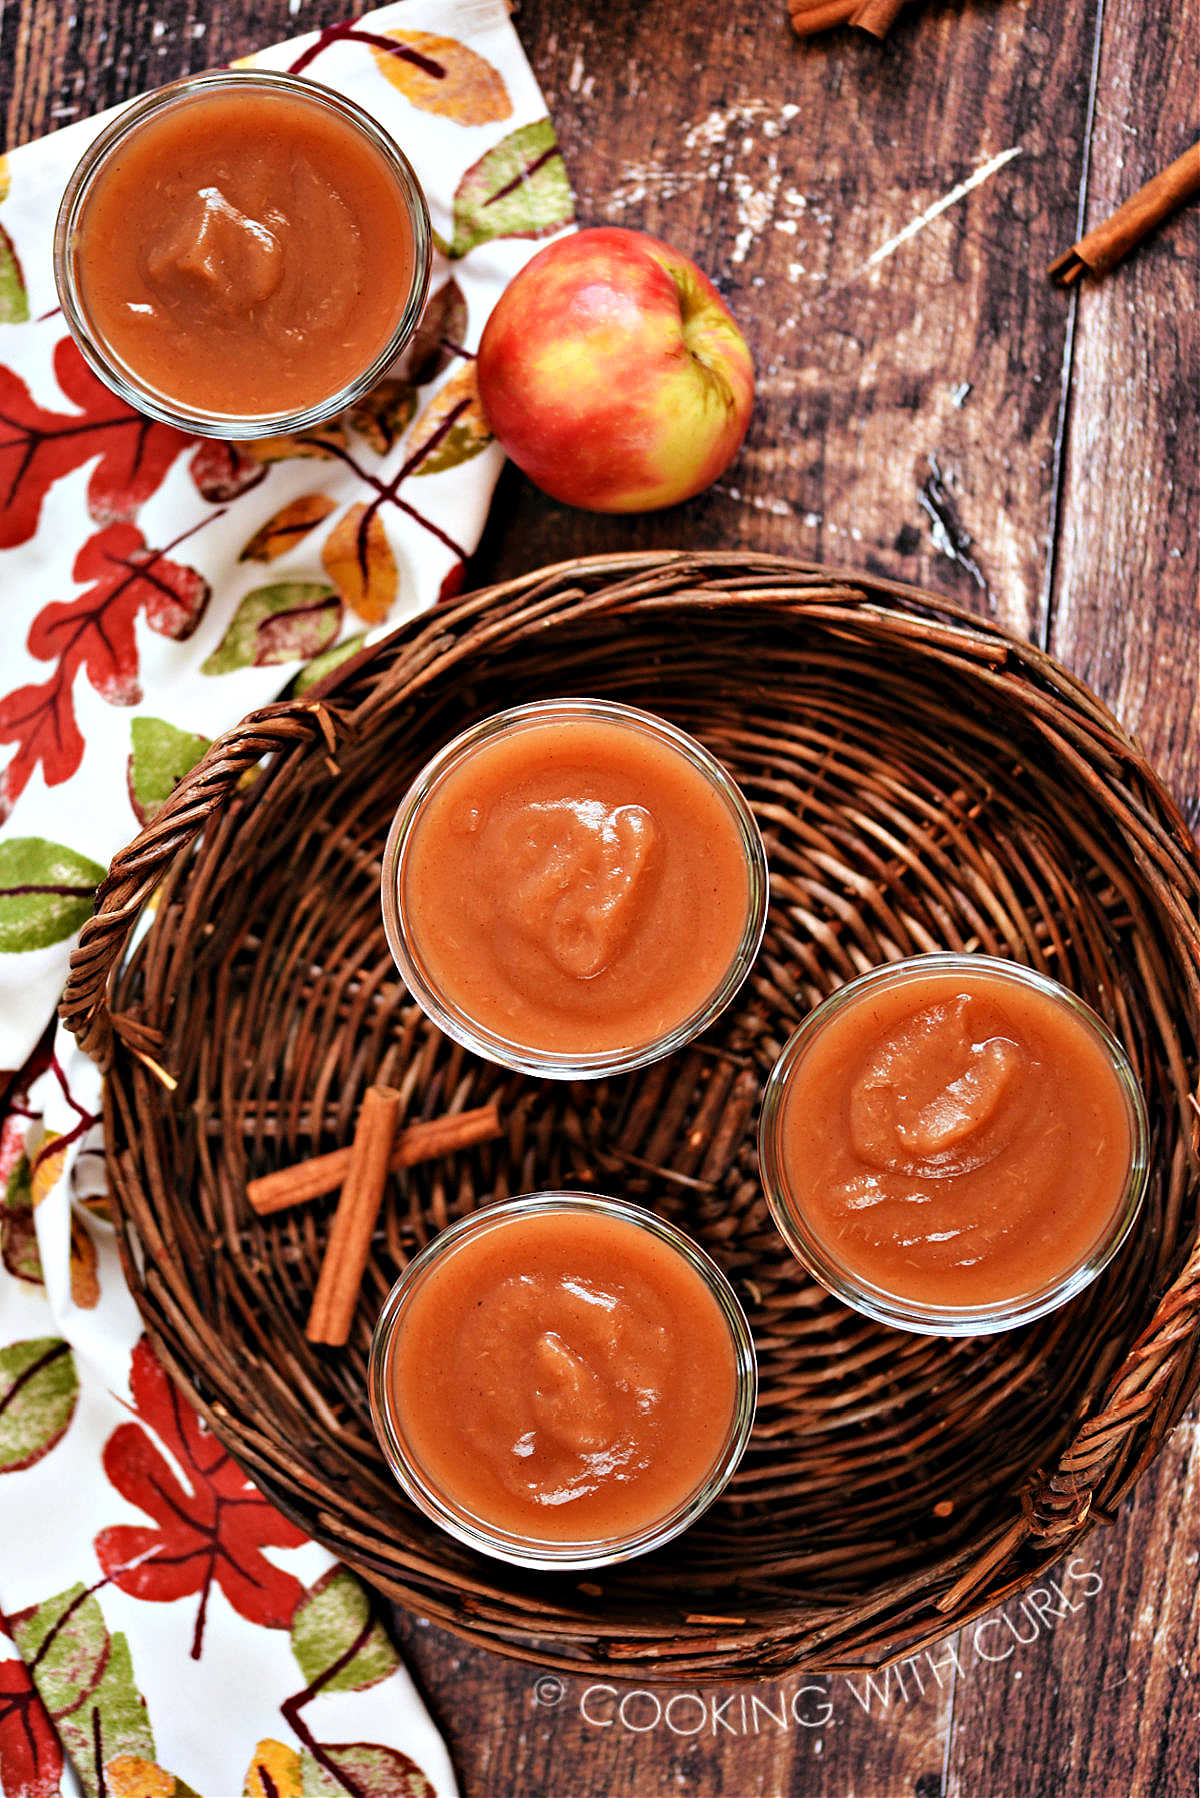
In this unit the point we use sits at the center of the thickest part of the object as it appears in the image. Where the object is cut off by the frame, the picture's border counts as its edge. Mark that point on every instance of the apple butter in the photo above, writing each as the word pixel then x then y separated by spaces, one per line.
pixel 563 1374
pixel 581 881
pixel 952 1135
pixel 246 248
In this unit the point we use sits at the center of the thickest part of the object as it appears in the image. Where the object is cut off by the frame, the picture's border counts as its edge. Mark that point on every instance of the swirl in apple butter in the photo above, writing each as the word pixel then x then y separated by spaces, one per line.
pixel 576 885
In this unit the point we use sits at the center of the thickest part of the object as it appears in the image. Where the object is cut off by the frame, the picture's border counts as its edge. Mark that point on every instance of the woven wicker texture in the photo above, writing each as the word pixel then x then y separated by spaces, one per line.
pixel 923 782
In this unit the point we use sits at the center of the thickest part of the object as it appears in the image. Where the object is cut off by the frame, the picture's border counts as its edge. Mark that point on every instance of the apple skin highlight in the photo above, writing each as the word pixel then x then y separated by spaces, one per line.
pixel 614 375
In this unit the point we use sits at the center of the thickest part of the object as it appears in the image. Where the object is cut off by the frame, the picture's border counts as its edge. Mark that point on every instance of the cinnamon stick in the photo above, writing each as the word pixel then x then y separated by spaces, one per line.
pixel 809 16
pixel 874 16
pixel 354 1220
pixel 877 16
pixel 422 1141
pixel 1108 243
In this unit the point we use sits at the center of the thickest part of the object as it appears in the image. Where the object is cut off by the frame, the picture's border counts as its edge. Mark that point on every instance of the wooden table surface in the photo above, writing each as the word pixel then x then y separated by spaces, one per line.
pixel 929 406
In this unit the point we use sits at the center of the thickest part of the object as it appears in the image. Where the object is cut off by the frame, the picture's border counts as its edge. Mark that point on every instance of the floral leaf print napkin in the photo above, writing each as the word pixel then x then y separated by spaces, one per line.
pixel 163 1629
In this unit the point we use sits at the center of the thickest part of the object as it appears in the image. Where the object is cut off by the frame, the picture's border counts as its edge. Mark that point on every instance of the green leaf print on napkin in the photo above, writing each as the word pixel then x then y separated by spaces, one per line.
pixel 46 892
pixel 14 301
pixel 18 1238
pixel 332 1621
pixel 518 189
pixel 38 1391
pixel 369 1769
pixel 322 665
pixel 85 1679
pixel 160 755
pixel 287 622
pixel 67 1634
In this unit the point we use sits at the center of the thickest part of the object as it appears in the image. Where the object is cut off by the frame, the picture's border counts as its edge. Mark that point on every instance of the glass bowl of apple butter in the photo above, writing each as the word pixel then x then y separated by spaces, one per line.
pixel 562 1380
pixel 242 253
pixel 953 1144
pixel 574 888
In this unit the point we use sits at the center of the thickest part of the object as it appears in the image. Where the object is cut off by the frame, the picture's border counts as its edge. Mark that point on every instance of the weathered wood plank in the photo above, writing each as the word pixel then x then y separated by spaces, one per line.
pixel 1102 1705
pixel 1126 596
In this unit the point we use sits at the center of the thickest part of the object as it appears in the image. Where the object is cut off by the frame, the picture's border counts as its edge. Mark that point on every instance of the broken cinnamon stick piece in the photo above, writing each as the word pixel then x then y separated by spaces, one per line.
pixel 422 1141
pixel 877 16
pixel 353 1224
pixel 874 16
pixel 1108 243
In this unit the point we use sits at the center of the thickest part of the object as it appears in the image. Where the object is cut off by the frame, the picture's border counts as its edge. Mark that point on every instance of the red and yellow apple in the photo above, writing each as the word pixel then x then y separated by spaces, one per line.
pixel 613 373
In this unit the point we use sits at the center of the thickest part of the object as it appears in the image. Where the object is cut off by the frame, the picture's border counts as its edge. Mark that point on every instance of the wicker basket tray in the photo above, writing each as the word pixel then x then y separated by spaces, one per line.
pixel 923 782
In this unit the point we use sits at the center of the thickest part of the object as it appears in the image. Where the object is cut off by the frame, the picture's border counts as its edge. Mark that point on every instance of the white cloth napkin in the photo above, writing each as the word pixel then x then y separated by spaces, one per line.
pixel 165 1626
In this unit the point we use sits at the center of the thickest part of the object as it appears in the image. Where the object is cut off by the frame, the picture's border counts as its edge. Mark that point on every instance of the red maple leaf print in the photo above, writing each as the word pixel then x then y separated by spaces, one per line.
pixel 211 1526
pixel 39 447
pixel 224 471
pixel 31 1759
pixel 95 633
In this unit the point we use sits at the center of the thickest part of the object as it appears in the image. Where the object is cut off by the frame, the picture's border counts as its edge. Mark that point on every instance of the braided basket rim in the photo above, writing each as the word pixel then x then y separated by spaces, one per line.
pixel 1160 1368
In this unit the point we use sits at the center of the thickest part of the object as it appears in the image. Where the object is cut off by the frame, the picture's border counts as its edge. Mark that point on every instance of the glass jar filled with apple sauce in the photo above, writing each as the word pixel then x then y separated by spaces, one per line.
pixel 953 1144
pixel 563 1380
pixel 574 888
pixel 242 253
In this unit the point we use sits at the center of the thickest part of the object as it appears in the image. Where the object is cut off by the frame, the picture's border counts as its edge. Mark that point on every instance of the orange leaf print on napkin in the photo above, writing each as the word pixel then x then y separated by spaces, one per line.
pixel 128 1776
pixel 286 527
pixel 276 1771
pixel 48 1166
pixel 442 76
pixel 323 443
pixel 358 560
pixel 85 1274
